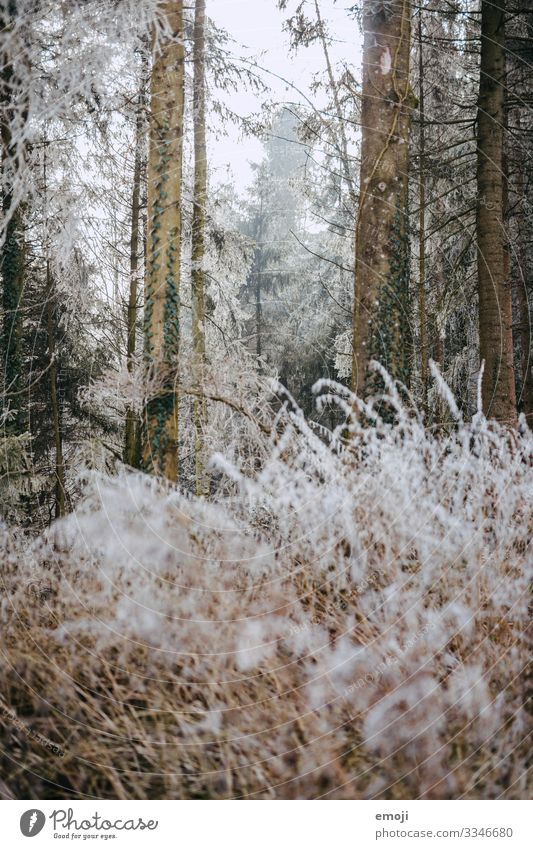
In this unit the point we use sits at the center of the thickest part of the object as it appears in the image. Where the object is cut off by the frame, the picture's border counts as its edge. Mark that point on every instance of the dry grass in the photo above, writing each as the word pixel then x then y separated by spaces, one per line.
pixel 353 623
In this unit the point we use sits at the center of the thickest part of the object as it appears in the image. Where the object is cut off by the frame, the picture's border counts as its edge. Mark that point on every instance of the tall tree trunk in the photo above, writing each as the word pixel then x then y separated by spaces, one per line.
pixel 381 285
pixel 257 271
pixel 131 447
pixel 12 263
pixel 161 309
pixel 51 328
pixel 524 339
pixel 258 317
pixel 494 287
pixel 422 314
pixel 198 245
pixel 522 294
pixel 51 331
pixel 12 249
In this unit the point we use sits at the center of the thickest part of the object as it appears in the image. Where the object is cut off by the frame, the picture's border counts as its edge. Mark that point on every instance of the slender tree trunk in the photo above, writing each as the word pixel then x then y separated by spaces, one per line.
pixel 257 276
pixel 524 328
pixel 524 342
pixel 161 310
pixel 198 245
pixel 12 249
pixel 494 288
pixel 258 316
pixel 422 314
pixel 381 285
pixel 131 447
pixel 51 327
pixel 12 264
pixel 51 331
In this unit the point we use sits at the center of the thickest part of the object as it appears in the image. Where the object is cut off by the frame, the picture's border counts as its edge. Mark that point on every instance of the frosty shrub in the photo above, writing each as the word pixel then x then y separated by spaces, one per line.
pixel 352 624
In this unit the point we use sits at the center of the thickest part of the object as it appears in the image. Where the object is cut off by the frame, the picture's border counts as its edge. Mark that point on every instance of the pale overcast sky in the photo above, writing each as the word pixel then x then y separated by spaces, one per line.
pixel 258 25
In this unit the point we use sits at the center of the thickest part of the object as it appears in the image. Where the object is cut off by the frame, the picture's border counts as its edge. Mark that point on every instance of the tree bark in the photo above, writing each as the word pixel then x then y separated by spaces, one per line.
pixel 198 244
pixel 51 331
pixel 131 447
pixel 422 315
pixel 524 343
pixel 12 250
pixel 381 283
pixel 12 265
pixel 51 327
pixel 161 310
pixel 257 271
pixel 494 285
pixel 522 295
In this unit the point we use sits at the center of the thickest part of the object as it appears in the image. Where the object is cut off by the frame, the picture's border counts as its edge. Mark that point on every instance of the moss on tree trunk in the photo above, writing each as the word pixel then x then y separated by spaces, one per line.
pixel 381 285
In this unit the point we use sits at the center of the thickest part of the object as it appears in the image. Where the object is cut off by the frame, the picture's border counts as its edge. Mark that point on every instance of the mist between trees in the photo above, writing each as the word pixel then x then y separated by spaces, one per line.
pixel 265 458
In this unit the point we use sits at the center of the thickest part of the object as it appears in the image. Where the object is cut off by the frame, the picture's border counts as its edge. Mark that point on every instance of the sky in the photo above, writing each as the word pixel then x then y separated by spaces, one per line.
pixel 258 26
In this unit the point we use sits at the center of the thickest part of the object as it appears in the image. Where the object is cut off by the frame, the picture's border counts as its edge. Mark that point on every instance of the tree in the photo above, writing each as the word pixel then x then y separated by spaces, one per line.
pixel 13 116
pixel 518 155
pixel 161 303
pixel 272 217
pixel 494 285
pixel 133 425
pixel 422 314
pixel 51 333
pixel 442 204
pixel 381 282
pixel 198 242
pixel 523 298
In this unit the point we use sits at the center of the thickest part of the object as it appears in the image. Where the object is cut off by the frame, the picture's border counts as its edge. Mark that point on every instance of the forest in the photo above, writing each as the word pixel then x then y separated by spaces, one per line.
pixel 266 399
